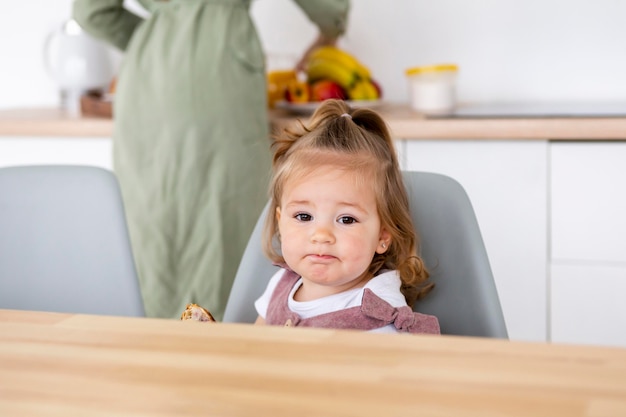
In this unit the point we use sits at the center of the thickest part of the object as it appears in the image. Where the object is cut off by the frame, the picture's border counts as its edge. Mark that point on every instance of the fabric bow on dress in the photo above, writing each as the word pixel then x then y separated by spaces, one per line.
pixel 403 318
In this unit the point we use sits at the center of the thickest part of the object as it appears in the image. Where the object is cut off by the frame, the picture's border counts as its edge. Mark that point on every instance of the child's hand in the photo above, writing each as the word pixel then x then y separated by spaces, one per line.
pixel 197 313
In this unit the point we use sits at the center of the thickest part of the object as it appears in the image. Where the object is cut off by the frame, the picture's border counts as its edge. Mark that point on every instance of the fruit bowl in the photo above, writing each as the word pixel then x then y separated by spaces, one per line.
pixel 330 73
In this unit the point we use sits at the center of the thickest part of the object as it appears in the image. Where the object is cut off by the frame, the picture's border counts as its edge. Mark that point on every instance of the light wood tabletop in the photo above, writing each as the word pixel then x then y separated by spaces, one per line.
pixel 54 364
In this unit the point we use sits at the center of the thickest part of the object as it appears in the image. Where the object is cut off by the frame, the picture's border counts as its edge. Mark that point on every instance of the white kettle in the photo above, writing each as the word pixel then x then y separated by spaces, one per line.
pixel 77 62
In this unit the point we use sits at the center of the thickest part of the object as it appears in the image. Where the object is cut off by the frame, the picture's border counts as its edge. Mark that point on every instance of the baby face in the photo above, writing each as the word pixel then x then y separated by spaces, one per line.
pixel 329 230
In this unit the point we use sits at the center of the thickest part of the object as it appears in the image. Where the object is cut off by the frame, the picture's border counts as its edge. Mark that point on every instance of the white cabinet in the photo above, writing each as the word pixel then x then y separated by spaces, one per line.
pixel 95 151
pixel 507 184
pixel 588 242
pixel 587 303
pixel 588 188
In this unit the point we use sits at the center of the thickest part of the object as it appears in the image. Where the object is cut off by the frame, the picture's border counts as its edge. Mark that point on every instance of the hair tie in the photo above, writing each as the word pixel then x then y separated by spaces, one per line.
pixel 346 115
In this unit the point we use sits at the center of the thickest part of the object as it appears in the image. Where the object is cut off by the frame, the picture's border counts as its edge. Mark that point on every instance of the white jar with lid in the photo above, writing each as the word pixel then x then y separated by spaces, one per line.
pixel 433 88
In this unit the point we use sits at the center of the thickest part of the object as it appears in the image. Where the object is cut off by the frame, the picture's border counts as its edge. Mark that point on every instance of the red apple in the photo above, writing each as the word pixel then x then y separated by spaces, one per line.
pixel 326 89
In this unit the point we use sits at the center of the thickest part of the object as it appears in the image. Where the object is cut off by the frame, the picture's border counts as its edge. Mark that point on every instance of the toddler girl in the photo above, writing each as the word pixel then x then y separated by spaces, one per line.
pixel 340 227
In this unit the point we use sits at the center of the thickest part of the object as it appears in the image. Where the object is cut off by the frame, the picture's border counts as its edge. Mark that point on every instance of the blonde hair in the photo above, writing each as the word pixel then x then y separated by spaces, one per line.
pixel 356 140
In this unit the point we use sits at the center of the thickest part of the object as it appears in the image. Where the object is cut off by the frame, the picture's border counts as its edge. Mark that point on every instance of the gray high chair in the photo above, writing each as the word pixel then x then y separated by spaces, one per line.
pixel 465 299
pixel 64 242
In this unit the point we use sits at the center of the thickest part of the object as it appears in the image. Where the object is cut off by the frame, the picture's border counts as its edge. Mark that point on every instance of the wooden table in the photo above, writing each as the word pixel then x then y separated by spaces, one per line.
pixel 78 365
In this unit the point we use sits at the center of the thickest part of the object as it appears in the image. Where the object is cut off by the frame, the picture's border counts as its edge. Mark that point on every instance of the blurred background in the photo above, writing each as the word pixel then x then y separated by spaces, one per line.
pixel 507 50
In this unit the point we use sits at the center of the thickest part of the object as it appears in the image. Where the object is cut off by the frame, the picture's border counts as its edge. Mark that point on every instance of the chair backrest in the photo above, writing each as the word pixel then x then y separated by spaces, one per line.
pixel 64 243
pixel 465 299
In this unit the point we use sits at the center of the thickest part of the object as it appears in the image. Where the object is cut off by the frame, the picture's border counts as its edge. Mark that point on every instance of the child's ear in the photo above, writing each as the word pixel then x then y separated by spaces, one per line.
pixel 277 214
pixel 384 241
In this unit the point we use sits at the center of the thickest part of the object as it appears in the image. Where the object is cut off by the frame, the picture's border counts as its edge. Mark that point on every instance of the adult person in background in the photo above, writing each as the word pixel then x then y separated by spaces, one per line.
pixel 191 137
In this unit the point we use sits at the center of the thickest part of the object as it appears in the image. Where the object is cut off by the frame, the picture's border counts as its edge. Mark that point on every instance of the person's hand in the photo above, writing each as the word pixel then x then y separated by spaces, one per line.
pixel 320 41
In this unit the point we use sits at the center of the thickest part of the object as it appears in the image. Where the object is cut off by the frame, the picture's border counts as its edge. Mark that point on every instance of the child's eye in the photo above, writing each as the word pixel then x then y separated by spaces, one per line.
pixel 303 217
pixel 347 220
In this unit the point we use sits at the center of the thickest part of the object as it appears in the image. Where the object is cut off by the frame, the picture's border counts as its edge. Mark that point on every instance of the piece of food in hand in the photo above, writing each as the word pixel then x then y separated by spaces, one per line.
pixel 326 89
pixel 197 313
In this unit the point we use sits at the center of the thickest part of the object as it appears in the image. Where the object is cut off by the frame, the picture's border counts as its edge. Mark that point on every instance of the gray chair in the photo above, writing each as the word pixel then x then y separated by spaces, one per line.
pixel 465 298
pixel 64 242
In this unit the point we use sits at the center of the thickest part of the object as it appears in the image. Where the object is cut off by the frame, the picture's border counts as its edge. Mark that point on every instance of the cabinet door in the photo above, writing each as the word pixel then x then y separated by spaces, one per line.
pixel 507 184
pixel 587 304
pixel 588 206
pixel 588 225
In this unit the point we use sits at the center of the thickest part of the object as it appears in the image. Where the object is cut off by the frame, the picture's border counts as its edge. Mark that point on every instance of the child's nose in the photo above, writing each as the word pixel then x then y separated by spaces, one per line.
pixel 322 234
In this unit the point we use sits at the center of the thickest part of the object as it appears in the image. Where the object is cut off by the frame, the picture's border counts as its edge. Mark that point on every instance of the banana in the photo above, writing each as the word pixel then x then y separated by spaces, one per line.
pixel 323 69
pixel 363 90
pixel 343 58
pixel 372 91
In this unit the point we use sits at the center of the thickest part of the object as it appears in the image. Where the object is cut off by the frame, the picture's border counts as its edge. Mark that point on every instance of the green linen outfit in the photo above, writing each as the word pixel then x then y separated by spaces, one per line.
pixel 191 145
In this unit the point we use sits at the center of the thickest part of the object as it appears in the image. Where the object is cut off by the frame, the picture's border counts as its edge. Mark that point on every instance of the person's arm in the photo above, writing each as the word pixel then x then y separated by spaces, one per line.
pixel 260 321
pixel 321 40
pixel 107 20
pixel 330 16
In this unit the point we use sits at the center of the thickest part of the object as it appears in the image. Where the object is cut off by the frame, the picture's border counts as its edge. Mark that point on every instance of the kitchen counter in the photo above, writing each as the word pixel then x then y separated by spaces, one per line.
pixel 404 124
pixel 41 122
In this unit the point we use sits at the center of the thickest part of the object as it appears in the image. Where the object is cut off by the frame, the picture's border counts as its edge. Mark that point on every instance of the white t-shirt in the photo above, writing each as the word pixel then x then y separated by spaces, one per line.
pixel 385 285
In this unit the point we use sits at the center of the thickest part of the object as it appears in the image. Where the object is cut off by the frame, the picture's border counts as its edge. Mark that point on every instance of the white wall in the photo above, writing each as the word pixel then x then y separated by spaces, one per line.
pixel 24 27
pixel 506 49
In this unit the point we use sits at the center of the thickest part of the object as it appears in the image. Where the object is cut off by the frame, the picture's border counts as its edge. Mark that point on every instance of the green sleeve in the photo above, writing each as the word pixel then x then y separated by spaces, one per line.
pixel 107 20
pixel 330 16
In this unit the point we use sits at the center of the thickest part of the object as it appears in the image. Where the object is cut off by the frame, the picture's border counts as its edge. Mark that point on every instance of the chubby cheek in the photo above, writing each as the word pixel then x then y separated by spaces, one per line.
pixel 294 254
pixel 355 249
pixel 290 242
